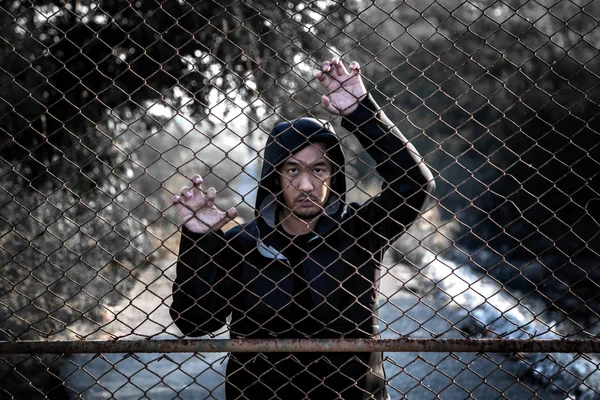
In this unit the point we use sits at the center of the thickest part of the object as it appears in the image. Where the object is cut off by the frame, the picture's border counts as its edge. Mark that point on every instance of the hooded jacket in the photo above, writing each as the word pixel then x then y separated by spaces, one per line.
pixel 245 273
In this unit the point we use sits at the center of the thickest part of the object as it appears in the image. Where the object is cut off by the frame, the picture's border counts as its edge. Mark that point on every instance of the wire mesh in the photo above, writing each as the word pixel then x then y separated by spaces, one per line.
pixel 108 108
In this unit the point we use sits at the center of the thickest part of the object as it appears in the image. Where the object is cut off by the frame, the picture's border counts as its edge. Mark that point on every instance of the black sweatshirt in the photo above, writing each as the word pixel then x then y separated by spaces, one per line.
pixel 302 324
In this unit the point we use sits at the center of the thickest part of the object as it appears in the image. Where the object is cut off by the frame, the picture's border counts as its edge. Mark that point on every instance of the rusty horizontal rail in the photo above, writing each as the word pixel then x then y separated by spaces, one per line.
pixel 304 345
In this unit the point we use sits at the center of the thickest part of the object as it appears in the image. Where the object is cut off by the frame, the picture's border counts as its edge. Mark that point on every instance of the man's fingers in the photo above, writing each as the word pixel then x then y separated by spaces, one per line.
pixel 227 216
pixel 354 67
pixel 196 185
pixel 326 104
pixel 231 213
pixel 197 181
pixel 186 193
pixel 211 195
pixel 338 66
pixel 323 78
pixel 177 202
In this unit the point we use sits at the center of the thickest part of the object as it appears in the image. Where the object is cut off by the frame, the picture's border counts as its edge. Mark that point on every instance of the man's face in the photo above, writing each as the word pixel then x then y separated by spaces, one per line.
pixel 304 179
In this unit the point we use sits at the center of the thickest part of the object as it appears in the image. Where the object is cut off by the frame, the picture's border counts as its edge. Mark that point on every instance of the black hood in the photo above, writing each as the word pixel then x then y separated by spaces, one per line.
pixel 287 138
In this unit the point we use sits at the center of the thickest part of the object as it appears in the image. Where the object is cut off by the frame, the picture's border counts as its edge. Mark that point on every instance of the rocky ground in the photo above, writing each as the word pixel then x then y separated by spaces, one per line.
pixel 417 303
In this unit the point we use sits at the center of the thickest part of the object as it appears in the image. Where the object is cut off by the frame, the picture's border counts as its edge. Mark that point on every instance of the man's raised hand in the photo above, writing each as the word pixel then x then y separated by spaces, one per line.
pixel 344 89
pixel 198 210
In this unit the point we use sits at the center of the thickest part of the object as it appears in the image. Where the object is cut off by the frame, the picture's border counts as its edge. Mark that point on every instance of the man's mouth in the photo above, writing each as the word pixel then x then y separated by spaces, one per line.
pixel 306 202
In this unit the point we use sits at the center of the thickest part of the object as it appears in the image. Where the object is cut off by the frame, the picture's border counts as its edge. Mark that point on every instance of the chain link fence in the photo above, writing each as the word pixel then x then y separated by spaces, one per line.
pixel 107 108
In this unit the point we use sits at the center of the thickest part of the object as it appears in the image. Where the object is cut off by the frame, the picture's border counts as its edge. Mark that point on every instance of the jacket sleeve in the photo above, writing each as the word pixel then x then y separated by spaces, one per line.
pixel 204 284
pixel 407 181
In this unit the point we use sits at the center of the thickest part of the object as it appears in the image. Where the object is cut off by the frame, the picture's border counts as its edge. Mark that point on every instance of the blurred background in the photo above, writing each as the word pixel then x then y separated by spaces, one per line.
pixel 108 107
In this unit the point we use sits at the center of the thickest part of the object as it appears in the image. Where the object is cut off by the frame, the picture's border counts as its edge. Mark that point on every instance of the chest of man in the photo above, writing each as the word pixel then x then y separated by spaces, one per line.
pixel 338 279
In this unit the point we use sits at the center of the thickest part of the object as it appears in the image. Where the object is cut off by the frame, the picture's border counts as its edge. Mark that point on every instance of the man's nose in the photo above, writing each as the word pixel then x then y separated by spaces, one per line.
pixel 304 183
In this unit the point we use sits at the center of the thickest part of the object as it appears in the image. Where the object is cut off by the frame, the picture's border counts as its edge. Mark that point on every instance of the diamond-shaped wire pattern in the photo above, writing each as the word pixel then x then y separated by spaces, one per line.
pixel 108 108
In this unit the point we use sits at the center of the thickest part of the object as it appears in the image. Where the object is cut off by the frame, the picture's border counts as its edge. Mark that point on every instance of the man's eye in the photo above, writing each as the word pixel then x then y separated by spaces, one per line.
pixel 293 171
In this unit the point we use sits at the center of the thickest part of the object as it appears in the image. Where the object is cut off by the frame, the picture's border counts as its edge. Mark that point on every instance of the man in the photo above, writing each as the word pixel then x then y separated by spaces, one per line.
pixel 308 265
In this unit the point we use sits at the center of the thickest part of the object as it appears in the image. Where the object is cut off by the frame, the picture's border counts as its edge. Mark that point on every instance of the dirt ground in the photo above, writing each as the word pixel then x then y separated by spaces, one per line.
pixel 412 304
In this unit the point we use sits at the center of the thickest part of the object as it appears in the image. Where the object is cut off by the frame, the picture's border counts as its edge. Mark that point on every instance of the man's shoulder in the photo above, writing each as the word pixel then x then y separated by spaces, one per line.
pixel 351 213
pixel 352 209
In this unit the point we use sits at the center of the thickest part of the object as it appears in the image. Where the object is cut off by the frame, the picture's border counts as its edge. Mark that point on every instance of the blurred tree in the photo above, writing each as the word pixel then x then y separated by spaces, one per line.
pixel 67 67
pixel 503 99
pixel 74 76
